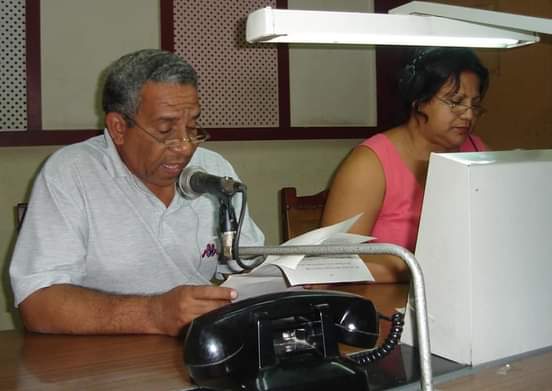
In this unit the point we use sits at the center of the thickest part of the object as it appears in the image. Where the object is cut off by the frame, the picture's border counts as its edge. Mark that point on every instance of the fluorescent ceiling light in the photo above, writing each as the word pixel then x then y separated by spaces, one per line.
pixel 475 15
pixel 328 27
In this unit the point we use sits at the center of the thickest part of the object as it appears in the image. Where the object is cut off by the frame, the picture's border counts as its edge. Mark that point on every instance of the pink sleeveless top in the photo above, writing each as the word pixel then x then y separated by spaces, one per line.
pixel 399 217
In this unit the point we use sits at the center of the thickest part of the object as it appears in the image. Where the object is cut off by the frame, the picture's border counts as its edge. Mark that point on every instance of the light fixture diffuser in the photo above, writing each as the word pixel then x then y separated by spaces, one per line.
pixel 356 28
pixel 475 15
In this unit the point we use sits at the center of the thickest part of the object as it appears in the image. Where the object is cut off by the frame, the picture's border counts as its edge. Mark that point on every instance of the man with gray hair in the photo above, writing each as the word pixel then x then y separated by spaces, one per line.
pixel 108 245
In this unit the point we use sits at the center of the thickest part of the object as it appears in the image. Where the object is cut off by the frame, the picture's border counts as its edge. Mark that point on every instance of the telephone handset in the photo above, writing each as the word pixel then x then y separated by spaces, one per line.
pixel 285 341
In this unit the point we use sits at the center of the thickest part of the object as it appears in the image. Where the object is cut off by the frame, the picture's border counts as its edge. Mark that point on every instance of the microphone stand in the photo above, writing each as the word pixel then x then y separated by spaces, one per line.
pixel 422 327
pixel 228 224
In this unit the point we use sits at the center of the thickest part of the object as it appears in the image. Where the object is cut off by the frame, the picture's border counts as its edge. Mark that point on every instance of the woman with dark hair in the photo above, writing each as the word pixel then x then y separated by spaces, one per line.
pixel 384 177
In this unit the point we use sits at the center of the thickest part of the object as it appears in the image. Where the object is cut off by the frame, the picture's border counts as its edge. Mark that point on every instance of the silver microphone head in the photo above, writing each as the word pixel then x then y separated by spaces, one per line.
pixel 183 183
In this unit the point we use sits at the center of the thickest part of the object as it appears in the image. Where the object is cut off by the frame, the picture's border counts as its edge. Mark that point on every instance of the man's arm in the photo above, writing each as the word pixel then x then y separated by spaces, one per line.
pixel 69 309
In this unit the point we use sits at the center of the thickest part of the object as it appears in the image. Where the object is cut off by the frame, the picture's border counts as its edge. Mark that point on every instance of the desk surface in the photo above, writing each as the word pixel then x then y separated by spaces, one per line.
pixel 53 362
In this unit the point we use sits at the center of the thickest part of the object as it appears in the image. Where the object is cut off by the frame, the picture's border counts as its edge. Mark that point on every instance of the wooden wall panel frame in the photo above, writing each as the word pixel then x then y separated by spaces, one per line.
pixel 35 134
pixel 387 60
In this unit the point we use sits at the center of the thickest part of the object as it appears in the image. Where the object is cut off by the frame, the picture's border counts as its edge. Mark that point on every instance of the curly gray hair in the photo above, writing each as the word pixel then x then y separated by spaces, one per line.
pixel 127 75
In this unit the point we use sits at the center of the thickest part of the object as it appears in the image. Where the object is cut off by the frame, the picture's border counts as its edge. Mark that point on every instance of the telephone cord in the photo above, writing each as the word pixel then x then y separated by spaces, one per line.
pixel 392 340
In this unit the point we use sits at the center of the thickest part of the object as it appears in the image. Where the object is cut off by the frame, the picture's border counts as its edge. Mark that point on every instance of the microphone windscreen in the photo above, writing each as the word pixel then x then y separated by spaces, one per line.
pixel 183 183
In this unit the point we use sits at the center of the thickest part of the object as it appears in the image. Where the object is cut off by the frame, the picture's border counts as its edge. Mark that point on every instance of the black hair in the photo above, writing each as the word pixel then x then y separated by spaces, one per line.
pixel 427 69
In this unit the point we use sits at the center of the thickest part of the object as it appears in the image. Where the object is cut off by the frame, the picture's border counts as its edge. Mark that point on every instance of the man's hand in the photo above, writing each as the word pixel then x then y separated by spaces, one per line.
pixel 178 307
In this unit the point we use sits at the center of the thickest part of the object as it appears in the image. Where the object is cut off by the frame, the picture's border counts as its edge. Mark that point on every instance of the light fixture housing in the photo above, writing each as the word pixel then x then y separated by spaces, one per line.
pixel 399 27
pixel 475 15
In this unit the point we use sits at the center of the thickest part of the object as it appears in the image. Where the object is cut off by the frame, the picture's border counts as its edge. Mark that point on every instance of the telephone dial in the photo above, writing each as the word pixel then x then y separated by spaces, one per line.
pixel 286 341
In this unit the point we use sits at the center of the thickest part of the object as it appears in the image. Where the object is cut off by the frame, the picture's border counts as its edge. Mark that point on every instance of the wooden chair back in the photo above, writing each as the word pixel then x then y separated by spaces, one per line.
pixel 300 214
pixel 20 210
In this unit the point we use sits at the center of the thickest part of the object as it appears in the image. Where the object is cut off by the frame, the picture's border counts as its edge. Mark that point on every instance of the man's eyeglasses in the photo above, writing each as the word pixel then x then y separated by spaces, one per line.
pixel 460 108
pixel 195 136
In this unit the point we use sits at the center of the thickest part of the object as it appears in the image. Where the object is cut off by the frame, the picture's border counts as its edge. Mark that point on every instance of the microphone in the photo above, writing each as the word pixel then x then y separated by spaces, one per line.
pixel 194 181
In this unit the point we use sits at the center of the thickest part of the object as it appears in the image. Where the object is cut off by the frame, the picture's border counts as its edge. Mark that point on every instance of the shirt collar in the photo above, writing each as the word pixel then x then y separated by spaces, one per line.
pixel 113 161
pixel 117 168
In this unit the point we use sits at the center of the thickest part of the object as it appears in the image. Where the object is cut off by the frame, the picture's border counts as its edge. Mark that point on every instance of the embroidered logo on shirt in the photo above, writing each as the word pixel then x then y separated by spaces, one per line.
pixel 209 250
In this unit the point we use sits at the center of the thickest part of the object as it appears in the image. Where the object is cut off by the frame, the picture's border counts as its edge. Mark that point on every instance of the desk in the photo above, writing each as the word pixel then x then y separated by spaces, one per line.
pixel 44 362
pixel 54 362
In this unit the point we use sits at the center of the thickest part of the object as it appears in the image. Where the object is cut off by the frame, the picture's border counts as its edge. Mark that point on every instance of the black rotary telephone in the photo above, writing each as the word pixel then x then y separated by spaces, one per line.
pixel 286 341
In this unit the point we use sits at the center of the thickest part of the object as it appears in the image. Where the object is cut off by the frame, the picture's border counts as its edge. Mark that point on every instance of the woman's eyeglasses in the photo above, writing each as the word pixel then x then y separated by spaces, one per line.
pixel 460 108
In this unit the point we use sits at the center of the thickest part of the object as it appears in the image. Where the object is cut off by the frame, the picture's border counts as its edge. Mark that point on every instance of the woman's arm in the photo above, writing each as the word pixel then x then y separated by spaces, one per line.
pixel 359 187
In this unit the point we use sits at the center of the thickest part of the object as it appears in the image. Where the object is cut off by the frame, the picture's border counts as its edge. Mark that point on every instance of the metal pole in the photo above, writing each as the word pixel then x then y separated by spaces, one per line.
pixel 422 325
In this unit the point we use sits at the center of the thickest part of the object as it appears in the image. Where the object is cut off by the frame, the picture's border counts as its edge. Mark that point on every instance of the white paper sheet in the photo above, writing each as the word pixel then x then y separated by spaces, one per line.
pixel 282 272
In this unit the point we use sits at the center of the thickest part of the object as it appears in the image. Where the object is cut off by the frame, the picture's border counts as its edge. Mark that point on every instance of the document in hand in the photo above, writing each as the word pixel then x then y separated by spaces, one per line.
pixel 286 271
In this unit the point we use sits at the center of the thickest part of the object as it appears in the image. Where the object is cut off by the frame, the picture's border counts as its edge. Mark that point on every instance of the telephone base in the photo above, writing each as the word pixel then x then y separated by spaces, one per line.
pixel 310 375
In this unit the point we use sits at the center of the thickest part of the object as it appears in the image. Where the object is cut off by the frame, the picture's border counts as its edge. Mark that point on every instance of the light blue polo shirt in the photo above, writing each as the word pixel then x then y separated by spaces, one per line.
pixel 91 222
